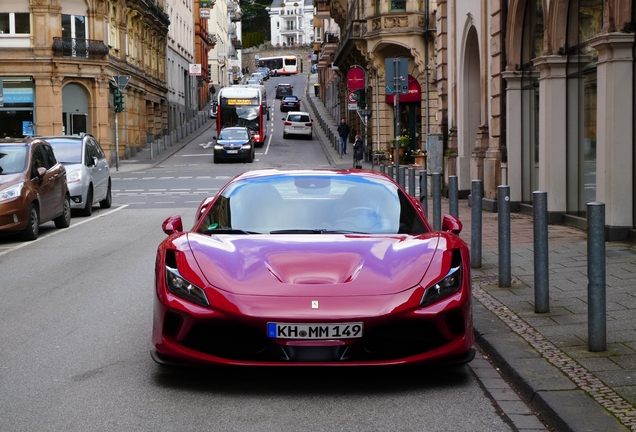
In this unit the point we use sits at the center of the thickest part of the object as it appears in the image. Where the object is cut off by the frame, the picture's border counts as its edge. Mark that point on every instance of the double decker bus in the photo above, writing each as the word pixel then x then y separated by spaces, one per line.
pixel 243 106
pixel 280 65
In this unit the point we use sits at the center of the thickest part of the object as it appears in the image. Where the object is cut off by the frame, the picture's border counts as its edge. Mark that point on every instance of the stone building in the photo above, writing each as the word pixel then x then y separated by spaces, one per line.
pixel 533 94
pixel 57 60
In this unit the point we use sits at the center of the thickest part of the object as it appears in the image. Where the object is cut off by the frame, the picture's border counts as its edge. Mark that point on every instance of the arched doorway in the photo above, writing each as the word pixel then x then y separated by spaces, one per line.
pixel 470 107
pixel 74 110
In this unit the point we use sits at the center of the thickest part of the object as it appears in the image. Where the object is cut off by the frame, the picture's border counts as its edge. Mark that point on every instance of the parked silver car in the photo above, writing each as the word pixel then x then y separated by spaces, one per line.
pixel 87 171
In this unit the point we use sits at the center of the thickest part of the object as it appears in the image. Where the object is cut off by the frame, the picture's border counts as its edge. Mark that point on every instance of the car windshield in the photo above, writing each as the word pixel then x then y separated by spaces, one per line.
pixel 233 134
pixel 312 204
pixel 290 99
pixel 13 159
pixel 67 152
pixel 298 118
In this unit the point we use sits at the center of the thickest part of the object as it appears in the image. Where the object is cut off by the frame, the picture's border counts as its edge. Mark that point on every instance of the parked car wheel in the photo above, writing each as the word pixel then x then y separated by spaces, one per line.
pixel 64 220
pixel 88 208
pixel 108 201
pixel 32 229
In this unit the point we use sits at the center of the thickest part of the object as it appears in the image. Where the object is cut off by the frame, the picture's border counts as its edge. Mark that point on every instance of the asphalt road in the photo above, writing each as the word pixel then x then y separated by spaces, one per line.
pixel 75 325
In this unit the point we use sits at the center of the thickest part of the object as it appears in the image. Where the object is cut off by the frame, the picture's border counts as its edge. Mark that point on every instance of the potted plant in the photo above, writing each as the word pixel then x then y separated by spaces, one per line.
pixel 403 142
pixel 419 157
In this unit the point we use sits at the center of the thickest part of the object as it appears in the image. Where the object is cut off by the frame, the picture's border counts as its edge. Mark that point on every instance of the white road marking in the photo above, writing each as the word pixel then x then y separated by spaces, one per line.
pixel 207 145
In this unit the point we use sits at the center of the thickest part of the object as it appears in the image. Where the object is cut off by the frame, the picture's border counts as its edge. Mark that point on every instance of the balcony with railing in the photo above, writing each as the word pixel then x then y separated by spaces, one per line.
pixel 327 48
pixel 79 48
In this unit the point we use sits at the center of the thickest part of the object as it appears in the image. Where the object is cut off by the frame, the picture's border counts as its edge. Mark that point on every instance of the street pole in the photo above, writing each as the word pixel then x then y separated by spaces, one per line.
pixel 396 108
pixel 116 140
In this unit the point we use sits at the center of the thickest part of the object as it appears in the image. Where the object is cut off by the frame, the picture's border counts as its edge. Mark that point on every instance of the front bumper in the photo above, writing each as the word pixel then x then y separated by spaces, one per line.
pixel 189 334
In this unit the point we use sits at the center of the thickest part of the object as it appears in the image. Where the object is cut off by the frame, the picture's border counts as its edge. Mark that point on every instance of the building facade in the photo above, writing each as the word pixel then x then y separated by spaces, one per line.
pixel 78 48
pixel 291 22
pixel 533 94
pixel 182 99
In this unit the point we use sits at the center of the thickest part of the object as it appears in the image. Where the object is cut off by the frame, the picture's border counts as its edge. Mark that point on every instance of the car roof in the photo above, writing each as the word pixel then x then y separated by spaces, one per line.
pixel 290 97
pixel 283 85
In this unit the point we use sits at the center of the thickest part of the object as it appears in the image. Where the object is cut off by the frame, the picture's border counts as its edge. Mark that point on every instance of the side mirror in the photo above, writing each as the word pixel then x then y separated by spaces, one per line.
pixel 94 160
pixel 452 224
pixel 41 171
pixel 172 225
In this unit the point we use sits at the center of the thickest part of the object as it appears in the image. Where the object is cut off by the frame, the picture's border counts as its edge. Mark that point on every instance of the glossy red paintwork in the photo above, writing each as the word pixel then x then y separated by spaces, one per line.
pixel 251 280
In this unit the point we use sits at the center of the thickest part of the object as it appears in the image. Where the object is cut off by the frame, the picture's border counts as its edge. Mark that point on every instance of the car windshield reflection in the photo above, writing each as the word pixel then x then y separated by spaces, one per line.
pixel 316 204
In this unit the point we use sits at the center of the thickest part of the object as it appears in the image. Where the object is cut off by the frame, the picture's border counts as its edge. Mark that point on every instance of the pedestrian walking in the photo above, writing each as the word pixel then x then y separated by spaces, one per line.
pixel 358 152
pixel 343 133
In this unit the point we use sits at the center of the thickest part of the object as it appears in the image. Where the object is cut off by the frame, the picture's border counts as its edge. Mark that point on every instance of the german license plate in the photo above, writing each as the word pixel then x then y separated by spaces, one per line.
pixel 314 331
pixel 231 151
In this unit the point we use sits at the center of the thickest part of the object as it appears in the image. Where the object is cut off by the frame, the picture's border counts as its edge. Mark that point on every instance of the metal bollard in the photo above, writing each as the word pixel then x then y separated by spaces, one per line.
pixel 383 168
pixel 596 306
pixel 437 201
pixel 424 192
pixel 453 196
pixel 411 181
pixel 477 194
pixel 401 175
pixel 390 172
pixel 503 219
pixel 541 252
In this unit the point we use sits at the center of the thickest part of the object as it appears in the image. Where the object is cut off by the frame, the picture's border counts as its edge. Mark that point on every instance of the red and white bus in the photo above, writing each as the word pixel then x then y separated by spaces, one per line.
pixel 243 106
pixel 280 65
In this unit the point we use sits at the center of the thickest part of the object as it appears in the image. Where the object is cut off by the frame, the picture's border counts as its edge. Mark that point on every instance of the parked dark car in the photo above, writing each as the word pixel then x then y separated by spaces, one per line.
pixel 283 90
pixel 290 103
pixel 236 142
pixel 33 187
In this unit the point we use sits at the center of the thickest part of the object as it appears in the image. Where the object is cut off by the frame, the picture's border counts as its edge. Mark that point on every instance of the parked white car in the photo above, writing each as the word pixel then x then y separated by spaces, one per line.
pixel 87 171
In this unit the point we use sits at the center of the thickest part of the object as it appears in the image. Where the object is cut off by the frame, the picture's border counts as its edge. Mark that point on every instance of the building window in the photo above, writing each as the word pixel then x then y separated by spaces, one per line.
pixel 15 23
pixel 585 21
pixel 398 5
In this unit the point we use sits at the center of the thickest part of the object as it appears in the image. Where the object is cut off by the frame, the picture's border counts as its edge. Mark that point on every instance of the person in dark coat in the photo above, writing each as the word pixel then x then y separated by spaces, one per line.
pixel 343 133
pixel 358 152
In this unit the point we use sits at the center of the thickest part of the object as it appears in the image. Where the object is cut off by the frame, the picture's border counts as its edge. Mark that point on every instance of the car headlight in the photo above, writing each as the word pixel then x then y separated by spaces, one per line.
pixel 446 287
pixel 182 288
pixel 12 192
pixel 73 176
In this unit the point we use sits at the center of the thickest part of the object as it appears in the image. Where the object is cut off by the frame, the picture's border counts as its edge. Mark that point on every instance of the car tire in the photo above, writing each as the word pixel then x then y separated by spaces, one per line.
pixel 88 207
pixel 108 201
pixel 32 229
pixel 64 220
pixel 284 136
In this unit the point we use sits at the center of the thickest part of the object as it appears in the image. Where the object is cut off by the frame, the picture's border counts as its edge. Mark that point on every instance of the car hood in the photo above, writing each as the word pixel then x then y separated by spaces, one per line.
pixel 328 265
pixel 225 142
pixel 7 180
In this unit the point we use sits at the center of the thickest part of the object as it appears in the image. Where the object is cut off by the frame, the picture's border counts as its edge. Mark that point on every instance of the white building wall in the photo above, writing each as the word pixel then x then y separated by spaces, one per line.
pixel 180 53
pixel 218 24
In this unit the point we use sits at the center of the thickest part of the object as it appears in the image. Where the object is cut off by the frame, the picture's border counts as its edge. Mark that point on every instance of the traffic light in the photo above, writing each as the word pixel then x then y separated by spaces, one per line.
pixel 361 98
pixel 118 100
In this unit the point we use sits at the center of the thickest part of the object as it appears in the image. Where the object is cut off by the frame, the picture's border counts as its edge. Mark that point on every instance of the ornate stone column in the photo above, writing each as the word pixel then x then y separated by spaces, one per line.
pixel 514 136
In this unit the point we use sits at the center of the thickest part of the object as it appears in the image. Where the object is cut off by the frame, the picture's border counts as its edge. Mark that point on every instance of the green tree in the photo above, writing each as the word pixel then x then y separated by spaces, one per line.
pixel 255 18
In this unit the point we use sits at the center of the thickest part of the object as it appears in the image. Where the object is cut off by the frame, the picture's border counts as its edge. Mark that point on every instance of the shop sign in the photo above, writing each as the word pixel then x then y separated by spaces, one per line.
pixel 355 78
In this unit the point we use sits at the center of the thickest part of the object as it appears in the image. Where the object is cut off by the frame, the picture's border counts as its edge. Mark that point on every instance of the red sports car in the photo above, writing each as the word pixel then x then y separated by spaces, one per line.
pixel 311 268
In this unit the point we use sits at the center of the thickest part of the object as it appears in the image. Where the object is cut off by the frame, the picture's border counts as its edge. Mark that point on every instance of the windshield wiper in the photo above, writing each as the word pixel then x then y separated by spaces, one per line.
pixel 228 231
pixel 315 231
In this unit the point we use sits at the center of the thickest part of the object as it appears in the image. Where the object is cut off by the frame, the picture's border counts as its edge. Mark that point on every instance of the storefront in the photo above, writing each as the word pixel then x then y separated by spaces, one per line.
pixel 17 117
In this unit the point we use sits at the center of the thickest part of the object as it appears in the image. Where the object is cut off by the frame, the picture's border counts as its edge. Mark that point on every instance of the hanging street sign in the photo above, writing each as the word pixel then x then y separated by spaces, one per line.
pixel 352 101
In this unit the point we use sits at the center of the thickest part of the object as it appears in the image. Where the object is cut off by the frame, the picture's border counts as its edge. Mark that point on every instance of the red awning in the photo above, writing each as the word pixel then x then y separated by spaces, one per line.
pixel 414 94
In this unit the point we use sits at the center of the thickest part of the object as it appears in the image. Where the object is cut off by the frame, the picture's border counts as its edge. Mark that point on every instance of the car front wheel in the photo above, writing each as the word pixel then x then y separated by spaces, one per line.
pixel 88 208
pixel 108 201
pixel 32 229
pixel 64 220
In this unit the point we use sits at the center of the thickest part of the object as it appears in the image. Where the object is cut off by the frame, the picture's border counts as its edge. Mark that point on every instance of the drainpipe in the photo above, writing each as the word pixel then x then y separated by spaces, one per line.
pixel 426 71
pixel 377 111
pixel 503 148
